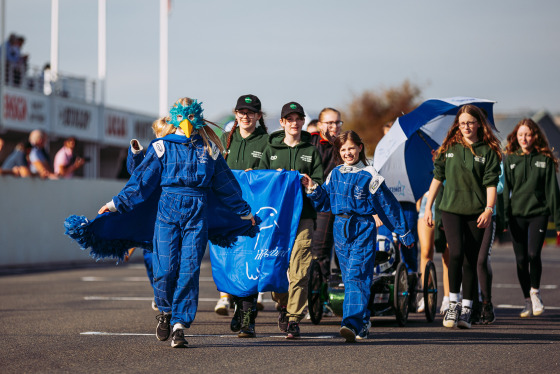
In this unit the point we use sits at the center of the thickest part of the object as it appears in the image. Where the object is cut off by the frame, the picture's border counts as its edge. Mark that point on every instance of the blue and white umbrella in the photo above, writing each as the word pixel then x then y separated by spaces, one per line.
pixel 404 155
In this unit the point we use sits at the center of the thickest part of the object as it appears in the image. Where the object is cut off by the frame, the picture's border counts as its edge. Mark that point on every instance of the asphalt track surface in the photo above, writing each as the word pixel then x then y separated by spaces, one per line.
pixel 98 319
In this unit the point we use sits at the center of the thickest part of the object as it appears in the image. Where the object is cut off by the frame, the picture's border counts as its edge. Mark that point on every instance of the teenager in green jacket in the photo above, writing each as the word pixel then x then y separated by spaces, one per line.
pixel 531 195
pixel 469 161
pixel 244 145
pixel 290 149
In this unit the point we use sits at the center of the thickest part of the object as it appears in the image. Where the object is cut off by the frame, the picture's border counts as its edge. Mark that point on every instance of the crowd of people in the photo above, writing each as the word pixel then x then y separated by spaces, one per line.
pixel 345 203
pixel 31 158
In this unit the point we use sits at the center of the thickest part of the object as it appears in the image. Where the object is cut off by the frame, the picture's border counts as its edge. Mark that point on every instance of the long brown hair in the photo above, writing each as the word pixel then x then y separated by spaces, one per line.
pixel 354 138
pixel 234 127
pixel 540 143
pixel 484 132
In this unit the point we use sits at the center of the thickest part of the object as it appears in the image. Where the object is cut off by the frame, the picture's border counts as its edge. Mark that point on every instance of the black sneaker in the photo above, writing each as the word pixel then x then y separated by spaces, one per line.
pixel 465 318
pixel 163 330
pixel 452 314
pixel 488 315
pixel 293 330
pixel 348 333
pixel 235 324
pixel 364 332
pixel 247 326
pixel 283 319
pixel 178 339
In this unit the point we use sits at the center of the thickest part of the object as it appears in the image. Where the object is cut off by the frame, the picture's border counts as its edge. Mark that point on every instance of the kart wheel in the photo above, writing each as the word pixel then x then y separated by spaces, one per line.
pixel 401 294
pixel 430 291
pixel 314 299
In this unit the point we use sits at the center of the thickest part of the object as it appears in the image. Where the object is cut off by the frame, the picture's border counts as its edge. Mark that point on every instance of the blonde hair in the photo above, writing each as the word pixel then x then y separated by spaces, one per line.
pixel 205 132
pixel 161 127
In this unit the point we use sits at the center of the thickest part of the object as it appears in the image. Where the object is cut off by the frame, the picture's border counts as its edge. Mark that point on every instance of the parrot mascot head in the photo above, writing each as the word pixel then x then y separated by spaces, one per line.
pixel 187 117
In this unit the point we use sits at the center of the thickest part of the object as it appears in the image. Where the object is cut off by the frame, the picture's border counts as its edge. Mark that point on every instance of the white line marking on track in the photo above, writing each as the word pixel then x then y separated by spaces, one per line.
pixel 509 306
pixel 510 285
pixel 101 333
pixel 133 298
pixel 130 279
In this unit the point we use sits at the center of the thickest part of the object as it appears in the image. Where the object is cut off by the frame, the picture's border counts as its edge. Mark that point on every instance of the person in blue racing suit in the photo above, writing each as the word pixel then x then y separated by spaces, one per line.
pixel 185 164
pixel 354 192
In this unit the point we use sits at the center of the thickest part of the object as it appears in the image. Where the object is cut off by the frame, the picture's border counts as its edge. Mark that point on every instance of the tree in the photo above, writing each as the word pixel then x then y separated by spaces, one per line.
pixel 370 111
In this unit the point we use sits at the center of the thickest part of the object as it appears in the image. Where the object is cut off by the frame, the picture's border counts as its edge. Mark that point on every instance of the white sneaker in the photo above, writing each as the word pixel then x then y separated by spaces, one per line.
pixel 260 305
pixel 528 310
pixel 444 306
pixel 222 307
pixel 154 305
pixel 538 307
pixel 421 306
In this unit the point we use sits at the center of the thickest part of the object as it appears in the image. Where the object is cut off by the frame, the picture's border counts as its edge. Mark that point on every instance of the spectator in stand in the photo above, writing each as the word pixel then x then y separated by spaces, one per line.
pixel 16 63
pixel 16 163
pixel 39 158
pixel 65 162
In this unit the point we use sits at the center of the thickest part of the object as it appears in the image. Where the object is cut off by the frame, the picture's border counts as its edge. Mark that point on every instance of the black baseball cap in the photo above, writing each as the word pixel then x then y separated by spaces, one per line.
pixel 250 102
pixel 292 107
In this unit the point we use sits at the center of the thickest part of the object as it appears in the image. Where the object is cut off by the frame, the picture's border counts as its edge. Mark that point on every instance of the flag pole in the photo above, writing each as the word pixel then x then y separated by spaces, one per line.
pixel 54 39
pixel 163 40
pixel 102 48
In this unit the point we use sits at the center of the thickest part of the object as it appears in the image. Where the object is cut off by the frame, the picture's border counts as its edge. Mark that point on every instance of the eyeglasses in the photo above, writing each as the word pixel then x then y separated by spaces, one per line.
pixel 248 114
pixel 467 124
pixel 333 123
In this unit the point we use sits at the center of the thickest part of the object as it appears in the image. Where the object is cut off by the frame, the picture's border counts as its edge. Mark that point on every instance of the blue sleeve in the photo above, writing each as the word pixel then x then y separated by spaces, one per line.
pixel 391 214
pixel 144 180
pixel 133 160
pixel 320 199
pixel 227 189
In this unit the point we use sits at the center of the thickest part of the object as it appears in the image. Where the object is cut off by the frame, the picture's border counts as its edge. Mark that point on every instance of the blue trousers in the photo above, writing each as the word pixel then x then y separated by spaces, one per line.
pixel 180 238
pixel 354 240
pixel 149 265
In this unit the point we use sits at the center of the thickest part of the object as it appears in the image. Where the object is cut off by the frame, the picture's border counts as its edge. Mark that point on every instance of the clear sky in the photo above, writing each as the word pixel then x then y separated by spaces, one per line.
pixel 317 52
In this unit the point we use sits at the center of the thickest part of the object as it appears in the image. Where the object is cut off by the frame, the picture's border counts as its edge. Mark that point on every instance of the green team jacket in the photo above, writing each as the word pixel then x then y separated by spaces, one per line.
pixel 303 157
pixel 467 177
pixel 245 153
pixel 531 188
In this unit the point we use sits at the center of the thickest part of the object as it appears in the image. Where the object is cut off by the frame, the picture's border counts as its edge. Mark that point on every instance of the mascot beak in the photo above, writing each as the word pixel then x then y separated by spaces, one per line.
pixel 187 127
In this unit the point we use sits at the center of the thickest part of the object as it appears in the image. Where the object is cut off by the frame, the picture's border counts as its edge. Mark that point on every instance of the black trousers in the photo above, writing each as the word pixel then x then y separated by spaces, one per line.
pixel 469 250
pixel 527 236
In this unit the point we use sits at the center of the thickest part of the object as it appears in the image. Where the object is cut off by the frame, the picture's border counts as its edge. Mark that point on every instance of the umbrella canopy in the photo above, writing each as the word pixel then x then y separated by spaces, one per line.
pixel 404 155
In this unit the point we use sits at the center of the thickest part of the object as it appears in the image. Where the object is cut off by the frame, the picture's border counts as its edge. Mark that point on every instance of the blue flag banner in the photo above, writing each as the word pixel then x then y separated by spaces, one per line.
pixel 260 264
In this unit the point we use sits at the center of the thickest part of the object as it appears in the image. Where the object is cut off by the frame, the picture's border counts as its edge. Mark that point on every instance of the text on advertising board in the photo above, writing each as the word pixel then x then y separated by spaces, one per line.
pixel 15 108
pixel 116 126
pixel 75 117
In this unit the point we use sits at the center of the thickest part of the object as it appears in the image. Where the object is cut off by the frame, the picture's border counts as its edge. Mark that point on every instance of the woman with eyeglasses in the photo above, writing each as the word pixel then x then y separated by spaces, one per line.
pixel 244 145
pixel 469 163
pixel 329 125
pixel 531 195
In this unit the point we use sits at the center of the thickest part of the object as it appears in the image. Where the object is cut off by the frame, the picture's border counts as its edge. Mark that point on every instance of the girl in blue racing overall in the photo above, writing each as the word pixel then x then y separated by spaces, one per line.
pixel 185 164
pixel 354 192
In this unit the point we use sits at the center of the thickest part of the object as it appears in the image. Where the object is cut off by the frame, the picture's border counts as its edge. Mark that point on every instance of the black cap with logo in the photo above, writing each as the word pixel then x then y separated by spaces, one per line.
pixel 292 107
pixel 250 102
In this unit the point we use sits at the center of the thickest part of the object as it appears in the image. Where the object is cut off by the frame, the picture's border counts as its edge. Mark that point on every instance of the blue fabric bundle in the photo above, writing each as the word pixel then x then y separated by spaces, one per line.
pixel 112 234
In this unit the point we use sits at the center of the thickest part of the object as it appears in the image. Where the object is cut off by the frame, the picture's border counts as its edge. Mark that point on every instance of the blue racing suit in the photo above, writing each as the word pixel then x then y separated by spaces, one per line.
pixel 133 159
pixel 185 171
pixel 354 193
